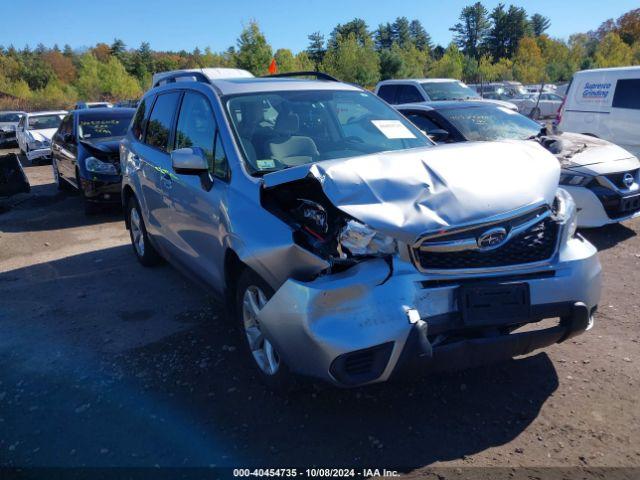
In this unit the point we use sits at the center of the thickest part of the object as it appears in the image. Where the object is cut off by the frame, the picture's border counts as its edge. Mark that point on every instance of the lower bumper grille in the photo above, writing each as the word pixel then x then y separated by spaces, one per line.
pixel 536 244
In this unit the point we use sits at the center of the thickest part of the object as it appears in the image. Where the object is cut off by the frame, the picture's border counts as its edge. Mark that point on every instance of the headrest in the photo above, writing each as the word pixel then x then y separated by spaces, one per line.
pixel 287 124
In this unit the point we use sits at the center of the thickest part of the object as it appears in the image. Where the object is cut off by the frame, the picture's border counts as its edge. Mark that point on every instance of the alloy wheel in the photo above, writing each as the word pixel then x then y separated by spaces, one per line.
pixel 262 350
pixel 136 231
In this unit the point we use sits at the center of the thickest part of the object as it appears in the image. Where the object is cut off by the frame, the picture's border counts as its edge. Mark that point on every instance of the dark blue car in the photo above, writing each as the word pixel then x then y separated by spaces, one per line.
pixel 85 152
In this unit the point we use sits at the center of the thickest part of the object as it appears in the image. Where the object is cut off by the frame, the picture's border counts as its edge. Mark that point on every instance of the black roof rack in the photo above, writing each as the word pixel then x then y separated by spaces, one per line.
pixel 199 77
pixel 318 75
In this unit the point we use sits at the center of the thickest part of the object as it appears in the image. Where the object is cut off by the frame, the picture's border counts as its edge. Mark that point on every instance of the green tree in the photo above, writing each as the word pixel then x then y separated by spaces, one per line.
pixel 508 27
pixel 451 64
pixel 356 27
pixel 254 53
pixel 303 62
pixel 285 60
pixel 316 49
pixel 539 24
pixel 419 36
pixel 351 61
pixel 628 26
pixel 472 29
pixel 401 31
pixel 612 52
pixel 383 36
pixel 118 48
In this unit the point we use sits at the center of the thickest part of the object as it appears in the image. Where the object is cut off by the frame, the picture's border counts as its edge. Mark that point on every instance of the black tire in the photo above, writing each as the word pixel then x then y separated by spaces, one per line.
pixel 282 380
pixel 145 252
pixel 61 184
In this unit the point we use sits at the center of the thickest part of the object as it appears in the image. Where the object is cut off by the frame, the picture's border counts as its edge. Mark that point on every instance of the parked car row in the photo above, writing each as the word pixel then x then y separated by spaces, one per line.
pixel 353 241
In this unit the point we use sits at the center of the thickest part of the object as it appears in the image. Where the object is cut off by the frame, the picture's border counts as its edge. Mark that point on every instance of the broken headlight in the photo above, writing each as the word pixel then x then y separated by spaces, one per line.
pixel 360 239
pixel 565 213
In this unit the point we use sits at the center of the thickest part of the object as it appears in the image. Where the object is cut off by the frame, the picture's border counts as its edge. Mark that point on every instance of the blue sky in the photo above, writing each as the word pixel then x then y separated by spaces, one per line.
pixel 176 25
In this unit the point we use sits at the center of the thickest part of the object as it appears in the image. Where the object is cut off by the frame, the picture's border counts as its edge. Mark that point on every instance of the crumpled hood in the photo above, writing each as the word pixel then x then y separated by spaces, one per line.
pixel 42 135
pixel 586 151
pixel 407 193
pixel 105 145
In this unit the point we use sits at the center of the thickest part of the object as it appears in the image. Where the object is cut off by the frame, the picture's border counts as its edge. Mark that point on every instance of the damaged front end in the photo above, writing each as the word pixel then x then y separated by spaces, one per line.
pixel 410 254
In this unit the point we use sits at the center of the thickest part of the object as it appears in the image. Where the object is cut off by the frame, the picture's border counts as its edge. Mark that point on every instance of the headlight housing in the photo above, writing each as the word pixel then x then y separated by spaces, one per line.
pixel 574 179
pixel 93 165
pixel 360 239
pixel 565 213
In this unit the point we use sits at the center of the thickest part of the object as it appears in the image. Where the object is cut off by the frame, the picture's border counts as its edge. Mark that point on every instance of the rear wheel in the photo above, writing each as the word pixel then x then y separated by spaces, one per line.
pixel 146 254
pixel 251 296
pixel 60 183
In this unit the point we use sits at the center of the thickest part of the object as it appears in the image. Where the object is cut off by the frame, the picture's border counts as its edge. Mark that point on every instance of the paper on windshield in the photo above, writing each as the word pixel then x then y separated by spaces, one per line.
pixel 393 129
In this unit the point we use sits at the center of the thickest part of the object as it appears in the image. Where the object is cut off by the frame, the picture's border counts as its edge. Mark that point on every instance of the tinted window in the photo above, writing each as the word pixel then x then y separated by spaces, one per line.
pixel 9 117
pixel 196 126
pixel 409 94
pixel 388 93
pixel 422 122
pixel 139 119
pixel 103 126
pixel 160 120
pixel 66 126
pixel 220 163
pixel 627 94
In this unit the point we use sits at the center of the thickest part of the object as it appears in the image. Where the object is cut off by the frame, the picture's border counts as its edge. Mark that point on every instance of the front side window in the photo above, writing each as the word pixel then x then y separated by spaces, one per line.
pixel 103 126
pixel 278 130
pixel 66 126
pixel 627 94
pixel 454 90
pixel 196 125
pixel 490 123
pixel 43 122
pixel 388 93
pixel 160 120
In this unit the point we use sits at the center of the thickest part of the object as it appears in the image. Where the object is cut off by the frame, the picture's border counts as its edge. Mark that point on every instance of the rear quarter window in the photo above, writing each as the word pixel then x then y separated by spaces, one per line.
pixel 388 93
pixel 139 119
pixel 627 94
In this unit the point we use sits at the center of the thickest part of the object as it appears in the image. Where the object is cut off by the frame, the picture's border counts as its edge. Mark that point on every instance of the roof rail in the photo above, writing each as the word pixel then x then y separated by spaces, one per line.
pixel 318 75
pixel 172 78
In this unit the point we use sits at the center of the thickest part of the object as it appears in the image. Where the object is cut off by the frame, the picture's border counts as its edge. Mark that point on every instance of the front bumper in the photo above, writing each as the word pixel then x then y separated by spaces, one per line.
pixel 39 154
pixel 592 212
pixel 362 325
pixel 105 189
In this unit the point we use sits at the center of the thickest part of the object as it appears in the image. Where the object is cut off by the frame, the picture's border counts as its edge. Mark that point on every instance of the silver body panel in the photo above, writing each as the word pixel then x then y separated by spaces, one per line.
pixel 314 315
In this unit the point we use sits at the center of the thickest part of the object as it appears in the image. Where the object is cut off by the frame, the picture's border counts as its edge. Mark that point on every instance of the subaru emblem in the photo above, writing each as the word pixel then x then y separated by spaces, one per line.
pixel 492 238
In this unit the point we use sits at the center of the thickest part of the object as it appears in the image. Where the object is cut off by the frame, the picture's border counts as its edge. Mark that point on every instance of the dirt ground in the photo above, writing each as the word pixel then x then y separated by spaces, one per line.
pixel 105 363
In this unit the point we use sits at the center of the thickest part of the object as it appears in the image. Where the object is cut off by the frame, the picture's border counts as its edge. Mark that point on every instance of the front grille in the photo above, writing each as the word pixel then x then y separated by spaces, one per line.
pixel 617 178
pixel 535 244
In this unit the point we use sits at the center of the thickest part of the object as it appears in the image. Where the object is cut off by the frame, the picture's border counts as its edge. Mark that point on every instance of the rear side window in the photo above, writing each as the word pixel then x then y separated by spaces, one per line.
pixel 388 93
pixel 139 119
pixel 160 121
pixel 627 94
pixel 409 94
pixel 66 127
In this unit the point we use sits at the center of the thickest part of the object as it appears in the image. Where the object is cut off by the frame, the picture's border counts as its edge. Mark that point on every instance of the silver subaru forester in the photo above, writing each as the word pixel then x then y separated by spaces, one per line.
pixel 348 246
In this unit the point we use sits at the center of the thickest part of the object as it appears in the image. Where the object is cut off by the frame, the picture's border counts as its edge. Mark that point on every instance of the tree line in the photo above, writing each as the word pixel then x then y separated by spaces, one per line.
pixel 505 43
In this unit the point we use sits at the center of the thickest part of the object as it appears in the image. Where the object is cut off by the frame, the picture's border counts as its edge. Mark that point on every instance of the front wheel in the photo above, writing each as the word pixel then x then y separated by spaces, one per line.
pixel 146 254
pixel 60 183
pixel 251 296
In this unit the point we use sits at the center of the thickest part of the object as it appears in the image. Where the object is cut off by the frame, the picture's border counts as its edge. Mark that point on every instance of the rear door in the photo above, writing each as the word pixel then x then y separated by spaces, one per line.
pixel 625 114
pixel 64 148
pixel 194 228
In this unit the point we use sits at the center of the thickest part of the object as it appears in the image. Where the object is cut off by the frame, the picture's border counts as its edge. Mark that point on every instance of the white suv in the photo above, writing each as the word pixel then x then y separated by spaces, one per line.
pixel 416 90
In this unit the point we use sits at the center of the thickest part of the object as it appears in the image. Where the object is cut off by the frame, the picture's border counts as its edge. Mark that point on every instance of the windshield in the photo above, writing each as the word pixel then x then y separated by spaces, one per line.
pixel 491 123
pixel 90 127
pixel 278 130
pixel 43 122
pixel 10 117
pixel 448 91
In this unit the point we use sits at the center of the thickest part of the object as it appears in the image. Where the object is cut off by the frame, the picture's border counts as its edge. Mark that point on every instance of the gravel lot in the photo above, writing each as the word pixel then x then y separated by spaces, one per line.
pixel 105 363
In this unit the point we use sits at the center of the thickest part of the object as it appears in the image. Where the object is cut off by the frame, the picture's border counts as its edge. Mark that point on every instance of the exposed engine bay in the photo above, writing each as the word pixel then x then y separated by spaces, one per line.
pixel 323 229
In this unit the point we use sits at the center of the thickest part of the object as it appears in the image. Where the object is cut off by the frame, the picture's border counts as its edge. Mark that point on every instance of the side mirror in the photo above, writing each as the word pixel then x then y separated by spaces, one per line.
pixel 438 135
pixel 189 161
pixel 68 138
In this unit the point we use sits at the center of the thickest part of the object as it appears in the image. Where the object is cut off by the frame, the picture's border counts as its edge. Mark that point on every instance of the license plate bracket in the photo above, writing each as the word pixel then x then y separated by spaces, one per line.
pixel 494 304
